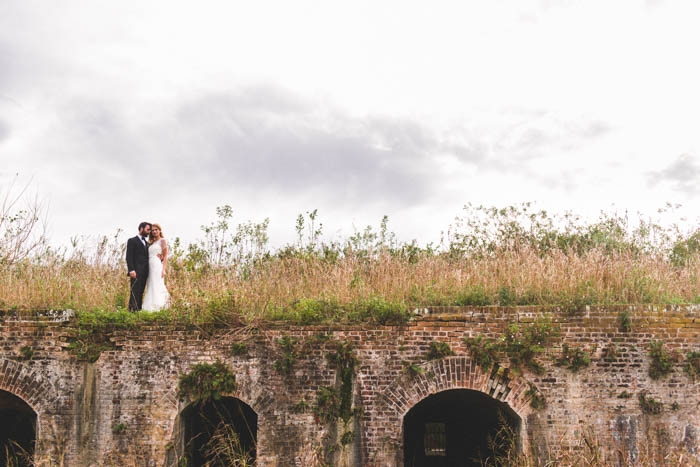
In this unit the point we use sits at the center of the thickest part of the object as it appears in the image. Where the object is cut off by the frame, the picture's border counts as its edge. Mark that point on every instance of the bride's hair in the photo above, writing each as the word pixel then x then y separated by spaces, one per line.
pixel 157 226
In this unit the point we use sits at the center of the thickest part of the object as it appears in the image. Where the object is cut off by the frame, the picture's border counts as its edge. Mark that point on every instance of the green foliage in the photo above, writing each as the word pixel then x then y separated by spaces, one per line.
pixel 379 311
pixel 692 363
pixel 473 296
pixel 661 363
pixel 345 361
pixel 239 348
pixel 523 344
pixel 624 319
pixel 412 369
pixel 507 296
pixel 347 438
pixel 310 311
pixel 483 350
pixel 207 382
pixel 438 350
pixel 685 249
pixel 624 395
pixel 649 405
pixel 222 246
pixel 301 407
pixel 327 407
pixel 316 311
pixel 486 231
pixel 119 428
pixel 289 355
pixel 537 399
pixel 573 358
pixel 520 343
pixel 93 329
pixel 26 352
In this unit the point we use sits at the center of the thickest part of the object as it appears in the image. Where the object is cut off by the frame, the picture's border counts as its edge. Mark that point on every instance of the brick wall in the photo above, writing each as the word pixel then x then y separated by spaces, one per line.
pixel 124 409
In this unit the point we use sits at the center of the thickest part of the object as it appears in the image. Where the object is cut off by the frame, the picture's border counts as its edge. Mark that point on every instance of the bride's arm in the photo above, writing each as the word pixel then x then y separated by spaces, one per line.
pixel 164 259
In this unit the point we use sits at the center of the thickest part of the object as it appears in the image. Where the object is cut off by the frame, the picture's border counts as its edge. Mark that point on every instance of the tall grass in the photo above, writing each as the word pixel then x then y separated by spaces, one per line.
pixel 511 256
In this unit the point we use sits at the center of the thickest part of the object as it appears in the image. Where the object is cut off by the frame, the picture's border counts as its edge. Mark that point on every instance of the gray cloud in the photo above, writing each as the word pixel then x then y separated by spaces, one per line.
pixel 260 139
pixel 682 174
pixel 295 150
pixel 524 136
pixel 270 142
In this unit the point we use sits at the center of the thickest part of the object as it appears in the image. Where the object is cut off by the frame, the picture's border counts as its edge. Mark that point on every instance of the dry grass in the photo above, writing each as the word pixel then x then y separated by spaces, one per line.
pixel 509 278
pixel 493 257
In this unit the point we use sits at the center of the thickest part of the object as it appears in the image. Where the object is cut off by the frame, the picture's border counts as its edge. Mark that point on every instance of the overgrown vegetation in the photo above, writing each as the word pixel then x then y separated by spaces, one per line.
pixel 661 362
pixel 224 447
pixel 489 256
pixel 649 405
pixel 345 361
pixel 413 370
pixel 285 362
pixel 438 350
pixel 625 321
pixel 692 363
pixel 519 343
pixel 26 352
pixel 483 350
pixel 93 330
pixel 206 382
pixel 573 358
pixel 537 399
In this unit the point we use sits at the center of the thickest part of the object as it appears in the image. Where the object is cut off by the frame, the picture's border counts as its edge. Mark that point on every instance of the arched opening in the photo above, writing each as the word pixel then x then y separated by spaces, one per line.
pixel 219 433
pixel 17 431
pixel 459 427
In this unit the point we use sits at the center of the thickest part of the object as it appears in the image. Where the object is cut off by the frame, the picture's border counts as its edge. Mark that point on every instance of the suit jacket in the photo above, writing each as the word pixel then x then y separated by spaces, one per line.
pixel 137 257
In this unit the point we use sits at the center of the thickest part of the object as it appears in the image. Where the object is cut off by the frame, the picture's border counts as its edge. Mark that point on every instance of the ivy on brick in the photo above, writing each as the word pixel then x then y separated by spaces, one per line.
pixel 345 361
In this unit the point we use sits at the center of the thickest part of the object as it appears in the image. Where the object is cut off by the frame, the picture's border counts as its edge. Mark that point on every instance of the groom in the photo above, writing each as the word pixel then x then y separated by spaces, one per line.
pixel 137 264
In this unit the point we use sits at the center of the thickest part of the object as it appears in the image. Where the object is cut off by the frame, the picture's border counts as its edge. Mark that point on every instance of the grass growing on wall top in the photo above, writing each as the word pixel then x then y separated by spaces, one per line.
pixel 509 257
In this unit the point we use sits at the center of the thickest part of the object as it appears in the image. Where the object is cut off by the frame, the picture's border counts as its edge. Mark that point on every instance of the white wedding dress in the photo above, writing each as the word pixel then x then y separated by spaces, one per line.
pixel 156 296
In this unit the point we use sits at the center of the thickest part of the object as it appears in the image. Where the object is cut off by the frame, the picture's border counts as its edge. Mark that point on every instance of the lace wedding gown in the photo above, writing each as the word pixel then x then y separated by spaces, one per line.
pixel 156 296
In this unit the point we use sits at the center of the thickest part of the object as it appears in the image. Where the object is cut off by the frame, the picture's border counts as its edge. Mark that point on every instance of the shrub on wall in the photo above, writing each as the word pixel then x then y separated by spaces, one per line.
pixel 649 405
pixel 520 343
pixel 207 381
pixel 661 362
pixel 438 350
pixel 483 350
pixel 692 363
pixel 573 358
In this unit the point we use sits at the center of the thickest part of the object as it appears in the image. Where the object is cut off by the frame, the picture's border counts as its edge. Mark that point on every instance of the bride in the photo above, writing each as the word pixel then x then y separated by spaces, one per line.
pixel 156 296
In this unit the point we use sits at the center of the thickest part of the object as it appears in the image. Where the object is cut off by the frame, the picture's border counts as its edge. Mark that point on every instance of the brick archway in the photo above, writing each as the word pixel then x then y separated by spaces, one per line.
pixel 459 373
pixel 34 389
pixel 260 399
pixel 42 396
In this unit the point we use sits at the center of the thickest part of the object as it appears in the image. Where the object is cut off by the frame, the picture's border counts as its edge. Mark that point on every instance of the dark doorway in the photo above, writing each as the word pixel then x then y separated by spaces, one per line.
pixel 220 433
pixel 459 427
pixel 17 431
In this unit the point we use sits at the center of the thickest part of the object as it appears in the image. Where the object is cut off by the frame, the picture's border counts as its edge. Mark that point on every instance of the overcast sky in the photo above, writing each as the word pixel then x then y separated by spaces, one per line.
pixel 122 111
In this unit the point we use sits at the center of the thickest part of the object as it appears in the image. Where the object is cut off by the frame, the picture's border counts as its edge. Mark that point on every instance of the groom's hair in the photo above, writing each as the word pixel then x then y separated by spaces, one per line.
pixel 143 224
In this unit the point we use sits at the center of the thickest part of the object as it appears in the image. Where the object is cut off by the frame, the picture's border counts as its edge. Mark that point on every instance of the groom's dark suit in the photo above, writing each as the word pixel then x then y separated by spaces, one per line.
pixel 137 260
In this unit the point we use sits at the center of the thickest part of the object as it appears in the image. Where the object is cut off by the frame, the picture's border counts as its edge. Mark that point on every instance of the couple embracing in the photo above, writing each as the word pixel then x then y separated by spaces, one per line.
pixel 146 260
